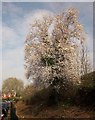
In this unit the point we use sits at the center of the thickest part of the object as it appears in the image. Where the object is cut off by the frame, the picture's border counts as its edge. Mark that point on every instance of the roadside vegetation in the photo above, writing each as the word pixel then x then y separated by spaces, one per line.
pixel 81 97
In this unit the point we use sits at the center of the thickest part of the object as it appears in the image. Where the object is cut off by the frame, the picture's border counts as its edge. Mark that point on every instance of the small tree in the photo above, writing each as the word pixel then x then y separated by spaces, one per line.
pixel 12 85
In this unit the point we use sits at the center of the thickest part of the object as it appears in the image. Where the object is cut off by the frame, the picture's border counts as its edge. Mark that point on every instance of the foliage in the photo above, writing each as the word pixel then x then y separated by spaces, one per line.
pixel 27 93
pixel 85 96
pixel 53 50
pixel 88 80
pixel 13 86
pixel 45 97
pixel 81 95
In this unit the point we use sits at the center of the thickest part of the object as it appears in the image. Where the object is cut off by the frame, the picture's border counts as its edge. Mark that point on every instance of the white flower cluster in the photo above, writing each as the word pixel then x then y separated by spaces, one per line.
pixel 52 47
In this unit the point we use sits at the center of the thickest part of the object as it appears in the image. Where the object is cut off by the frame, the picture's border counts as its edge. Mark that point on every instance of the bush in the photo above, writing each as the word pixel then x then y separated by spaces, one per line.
pixel 86 96
pixel 45 96
pixel 82 95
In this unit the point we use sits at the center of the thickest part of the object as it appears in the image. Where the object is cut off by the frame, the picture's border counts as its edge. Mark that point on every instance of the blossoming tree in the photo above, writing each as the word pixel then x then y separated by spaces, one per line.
pixel 52 50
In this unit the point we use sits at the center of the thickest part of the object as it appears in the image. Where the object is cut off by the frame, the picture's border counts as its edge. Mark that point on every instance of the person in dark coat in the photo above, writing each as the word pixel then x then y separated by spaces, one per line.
pixel 13 112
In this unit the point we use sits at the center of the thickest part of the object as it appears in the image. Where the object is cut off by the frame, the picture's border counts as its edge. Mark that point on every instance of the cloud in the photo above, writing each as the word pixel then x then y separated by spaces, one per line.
pixel 90 42
pixel 11 9
pixel 30 18
pixel 39 14
pixel 13 63
pixel 10 37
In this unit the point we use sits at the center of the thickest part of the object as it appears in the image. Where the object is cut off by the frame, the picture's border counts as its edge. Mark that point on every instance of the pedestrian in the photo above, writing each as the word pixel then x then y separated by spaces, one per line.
pixel 13 112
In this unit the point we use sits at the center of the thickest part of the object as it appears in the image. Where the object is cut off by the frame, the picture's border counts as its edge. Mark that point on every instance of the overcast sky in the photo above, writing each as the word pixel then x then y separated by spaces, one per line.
pixel 15 26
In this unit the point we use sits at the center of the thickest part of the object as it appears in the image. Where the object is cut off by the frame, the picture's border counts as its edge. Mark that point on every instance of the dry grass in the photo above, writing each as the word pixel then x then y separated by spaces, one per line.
pixel 26 111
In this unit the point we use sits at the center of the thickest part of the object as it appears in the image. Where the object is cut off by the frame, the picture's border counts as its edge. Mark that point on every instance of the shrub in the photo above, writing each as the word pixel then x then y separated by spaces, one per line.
pixel 86 96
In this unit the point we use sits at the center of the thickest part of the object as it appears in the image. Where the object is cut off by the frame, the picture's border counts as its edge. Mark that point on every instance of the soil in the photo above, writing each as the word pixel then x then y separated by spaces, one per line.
pixel 30 111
